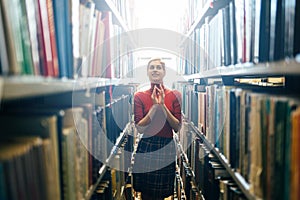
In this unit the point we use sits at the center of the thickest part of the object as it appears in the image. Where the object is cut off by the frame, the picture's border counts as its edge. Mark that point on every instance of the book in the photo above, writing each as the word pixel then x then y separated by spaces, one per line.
pixel 40 38
pixel 46 128
pixel 233 128
pixel 27 67
pixel 295 177
pixel 86 16
pixel 201 109
pixel 280 116
pixel 3 192
pixel 68 150
pixel 13 157
pixel 239 17
pixel 98 47
pixel 264 31
pixel 295 24
pixel 91 42
pixel 88 114
pixel 76 35
pixel 68 37
pixel 11 10
pixel 33 165
pixel 292 105
pixel 233 34
pixel 226 35
pixel 73 118
pixel 52 35
pixel 107 62
pixel 32 26
pixel 70 118
pixel 290 18
pixel 244 135
pixel 220 116
pixel 60 11
pixel 49 69
pixel 255 148
pixel 4 63
pixel 249 32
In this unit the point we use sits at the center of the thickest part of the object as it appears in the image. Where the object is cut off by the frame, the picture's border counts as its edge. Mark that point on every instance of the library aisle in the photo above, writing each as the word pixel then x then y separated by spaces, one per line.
pixel 84 116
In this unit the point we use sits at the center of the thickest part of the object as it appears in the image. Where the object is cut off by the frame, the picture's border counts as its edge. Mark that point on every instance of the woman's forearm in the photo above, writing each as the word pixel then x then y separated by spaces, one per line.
pixel 173 121
pixel 145 121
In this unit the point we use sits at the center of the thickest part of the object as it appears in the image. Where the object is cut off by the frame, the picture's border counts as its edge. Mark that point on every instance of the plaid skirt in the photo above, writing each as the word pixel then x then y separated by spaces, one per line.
pixel 154 167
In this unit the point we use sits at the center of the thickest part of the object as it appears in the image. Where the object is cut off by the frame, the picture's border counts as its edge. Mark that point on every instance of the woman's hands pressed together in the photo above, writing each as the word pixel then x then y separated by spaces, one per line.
pixel 158 95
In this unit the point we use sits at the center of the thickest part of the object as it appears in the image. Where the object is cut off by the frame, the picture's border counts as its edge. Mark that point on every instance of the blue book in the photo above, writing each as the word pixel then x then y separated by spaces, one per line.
pixel 64 37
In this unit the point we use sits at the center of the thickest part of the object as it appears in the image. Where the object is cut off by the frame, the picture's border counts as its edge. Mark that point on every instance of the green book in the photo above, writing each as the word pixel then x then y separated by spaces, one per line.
pixel 280 131
pixel 26 42
pixel 68 162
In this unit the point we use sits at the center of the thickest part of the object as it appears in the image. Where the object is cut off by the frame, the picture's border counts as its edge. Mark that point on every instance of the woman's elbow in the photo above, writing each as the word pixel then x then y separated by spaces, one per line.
pixel 177 127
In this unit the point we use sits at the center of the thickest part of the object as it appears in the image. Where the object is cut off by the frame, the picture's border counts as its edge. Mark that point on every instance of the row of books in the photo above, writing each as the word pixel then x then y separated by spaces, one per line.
pixel 126 10
pixel 103 46
pixel 255 132
pixel 55 152
pixel 186 185
pixel 203 176
pixel 192 10
pixel 211 177
pixel 55 38
pixel 245 32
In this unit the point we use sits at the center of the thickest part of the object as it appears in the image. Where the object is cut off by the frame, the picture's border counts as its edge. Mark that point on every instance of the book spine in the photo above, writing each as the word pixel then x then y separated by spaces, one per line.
pixel 46 36
pixel 59 9
pixel 52 38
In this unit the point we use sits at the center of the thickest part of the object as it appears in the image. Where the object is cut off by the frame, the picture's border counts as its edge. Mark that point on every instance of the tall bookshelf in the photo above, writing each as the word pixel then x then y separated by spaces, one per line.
pixel 57 91
pixel 241 99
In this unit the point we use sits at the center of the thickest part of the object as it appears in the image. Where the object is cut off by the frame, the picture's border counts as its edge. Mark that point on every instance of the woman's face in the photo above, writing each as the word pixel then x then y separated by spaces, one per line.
pixel 156 72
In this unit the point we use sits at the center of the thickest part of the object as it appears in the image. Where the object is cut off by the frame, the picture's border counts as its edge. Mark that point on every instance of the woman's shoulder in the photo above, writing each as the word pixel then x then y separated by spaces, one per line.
pixel 141 93
pixel 172 91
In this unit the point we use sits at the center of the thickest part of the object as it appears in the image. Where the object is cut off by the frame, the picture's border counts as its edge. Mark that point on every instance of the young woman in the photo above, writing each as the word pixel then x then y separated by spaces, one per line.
pixel 157 113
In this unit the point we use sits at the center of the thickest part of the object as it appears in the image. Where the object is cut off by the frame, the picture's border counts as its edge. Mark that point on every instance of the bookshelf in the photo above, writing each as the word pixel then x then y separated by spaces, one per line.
pixel 121 142
pixel 241 182
pixel 216 101
pixel 45 78
pixel 26 87
pixel 186 171
pixel 279 68
pixel 112 6
pixel 209 8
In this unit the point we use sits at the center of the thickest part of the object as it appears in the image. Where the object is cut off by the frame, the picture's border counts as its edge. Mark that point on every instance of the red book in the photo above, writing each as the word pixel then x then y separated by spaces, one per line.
pixel 40 38
pixel 52 38
pixel 43 14
pixel 98 47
